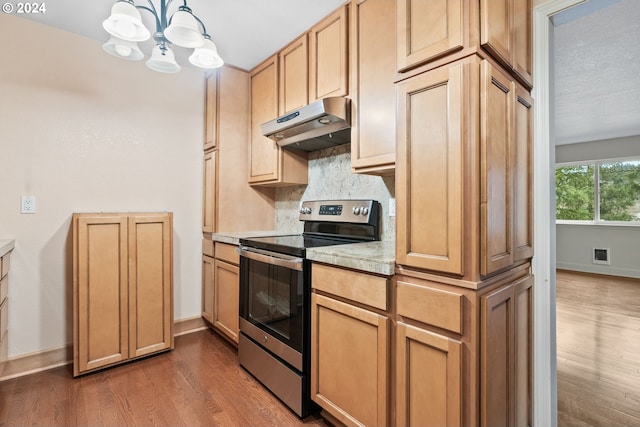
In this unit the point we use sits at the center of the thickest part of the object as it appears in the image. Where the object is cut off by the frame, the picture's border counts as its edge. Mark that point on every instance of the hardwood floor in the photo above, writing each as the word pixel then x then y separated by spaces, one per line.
pixel 598 337
pixel 198 384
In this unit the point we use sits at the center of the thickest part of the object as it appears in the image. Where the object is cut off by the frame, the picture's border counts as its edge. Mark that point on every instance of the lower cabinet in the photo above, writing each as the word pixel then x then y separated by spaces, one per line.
pixel 350 347
pixel 220 289
pixel 122 287
pixel 4 310
pixel 428 378
pixel 464 356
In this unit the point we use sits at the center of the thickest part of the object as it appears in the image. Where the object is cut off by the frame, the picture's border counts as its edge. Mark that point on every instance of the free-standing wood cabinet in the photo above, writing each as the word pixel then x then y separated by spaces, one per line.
pixel 372 56
pixel 350 345
pixel 122 287
pixel 328 64
pixel 4 307
pixel 456 169
pixel 268 163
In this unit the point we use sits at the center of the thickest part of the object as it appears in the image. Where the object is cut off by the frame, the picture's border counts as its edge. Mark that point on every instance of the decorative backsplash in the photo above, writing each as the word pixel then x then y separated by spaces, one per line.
pixel 330 177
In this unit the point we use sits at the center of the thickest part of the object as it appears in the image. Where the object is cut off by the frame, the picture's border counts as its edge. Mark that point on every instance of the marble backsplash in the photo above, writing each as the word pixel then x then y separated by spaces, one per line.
pixel 330 177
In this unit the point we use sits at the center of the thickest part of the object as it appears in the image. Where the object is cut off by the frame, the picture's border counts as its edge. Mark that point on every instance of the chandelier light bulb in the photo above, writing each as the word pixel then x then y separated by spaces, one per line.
pixel 123 50
pixel 125 23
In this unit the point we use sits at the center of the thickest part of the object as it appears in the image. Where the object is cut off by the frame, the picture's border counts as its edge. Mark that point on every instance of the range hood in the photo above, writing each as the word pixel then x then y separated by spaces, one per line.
pixel 322 124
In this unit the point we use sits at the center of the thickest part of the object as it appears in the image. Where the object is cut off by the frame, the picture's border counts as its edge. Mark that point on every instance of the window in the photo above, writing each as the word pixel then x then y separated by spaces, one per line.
pixel 607 191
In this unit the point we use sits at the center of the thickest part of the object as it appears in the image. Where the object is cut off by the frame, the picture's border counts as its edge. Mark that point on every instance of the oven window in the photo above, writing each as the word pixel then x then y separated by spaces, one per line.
pixel 272 300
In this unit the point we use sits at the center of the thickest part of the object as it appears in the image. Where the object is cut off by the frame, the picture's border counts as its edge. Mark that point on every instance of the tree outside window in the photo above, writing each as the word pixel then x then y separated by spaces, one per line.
pixel 599 191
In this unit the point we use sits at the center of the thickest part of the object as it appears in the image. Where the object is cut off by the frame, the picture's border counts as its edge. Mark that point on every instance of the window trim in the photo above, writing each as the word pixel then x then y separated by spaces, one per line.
pixel 596 193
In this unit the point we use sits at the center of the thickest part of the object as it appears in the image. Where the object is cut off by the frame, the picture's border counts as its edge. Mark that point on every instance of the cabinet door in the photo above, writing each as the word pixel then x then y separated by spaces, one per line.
pixel 211 111
pixel 497 95
pixel 496 29
pixel 328 56
pixel 430 131
pixel 349 362
pixel 373 147
pixel 225 296
pixel 522 40
pixel 523 346
pixel 207 288
pixel 264 153
pixel 100 291
pixel 522 177
pixel 150 284
pixel 427 30
pixel 209 209
pixel 294 75
pixel 428 378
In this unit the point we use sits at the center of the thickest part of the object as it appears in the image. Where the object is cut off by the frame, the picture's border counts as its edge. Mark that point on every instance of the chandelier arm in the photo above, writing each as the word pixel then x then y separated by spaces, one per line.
pixel 153 11
pixel 204 29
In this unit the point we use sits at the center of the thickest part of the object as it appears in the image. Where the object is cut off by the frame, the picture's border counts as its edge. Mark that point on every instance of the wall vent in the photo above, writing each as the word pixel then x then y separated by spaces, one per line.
pixel 602 256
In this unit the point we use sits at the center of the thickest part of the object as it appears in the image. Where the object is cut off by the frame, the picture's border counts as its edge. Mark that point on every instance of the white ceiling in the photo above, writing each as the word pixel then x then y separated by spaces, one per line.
pixel 596 52
pixel 596 58
pixel 245 31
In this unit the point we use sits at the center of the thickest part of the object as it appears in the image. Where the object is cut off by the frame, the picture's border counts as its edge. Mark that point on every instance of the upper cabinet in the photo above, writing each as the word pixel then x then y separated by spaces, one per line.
pixel 427 31
pixel 268 163
pixel 464 186
pixel 373 68
pixel 328 60
pixel 211 111
pixel 294 75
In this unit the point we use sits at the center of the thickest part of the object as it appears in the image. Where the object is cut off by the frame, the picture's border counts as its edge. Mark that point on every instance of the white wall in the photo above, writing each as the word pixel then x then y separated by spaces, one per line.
pixel 83 131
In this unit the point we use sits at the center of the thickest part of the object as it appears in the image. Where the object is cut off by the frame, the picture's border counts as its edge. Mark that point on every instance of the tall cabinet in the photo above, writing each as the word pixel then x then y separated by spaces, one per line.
pixel 464 213
pixel 122 287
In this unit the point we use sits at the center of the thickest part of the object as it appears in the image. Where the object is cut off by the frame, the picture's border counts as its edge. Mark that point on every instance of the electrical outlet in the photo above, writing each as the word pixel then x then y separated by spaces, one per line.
pixel 392 207
pixel 28 205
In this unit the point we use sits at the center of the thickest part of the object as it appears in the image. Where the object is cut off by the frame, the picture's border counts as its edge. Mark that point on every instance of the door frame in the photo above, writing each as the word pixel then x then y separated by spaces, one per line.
pixel 545 397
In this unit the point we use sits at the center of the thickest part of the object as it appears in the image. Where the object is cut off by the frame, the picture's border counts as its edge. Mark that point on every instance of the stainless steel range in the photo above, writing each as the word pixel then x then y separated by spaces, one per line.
pixel 275 295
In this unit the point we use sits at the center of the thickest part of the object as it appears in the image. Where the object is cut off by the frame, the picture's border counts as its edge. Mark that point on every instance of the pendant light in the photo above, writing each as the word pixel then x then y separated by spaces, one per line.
pixel 182 28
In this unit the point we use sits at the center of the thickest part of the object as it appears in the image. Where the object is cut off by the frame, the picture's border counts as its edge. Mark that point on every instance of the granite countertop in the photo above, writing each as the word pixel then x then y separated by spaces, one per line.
pixel 233 237
pixel 372 257
pixel 6 245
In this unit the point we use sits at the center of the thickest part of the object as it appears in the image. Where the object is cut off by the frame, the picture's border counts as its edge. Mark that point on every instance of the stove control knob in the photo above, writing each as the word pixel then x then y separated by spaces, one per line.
pixel 305 210
pixel 364 211
pixel 356 210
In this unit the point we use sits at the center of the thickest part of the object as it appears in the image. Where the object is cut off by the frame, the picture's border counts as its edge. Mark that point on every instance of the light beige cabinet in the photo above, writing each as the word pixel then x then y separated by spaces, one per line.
pixel 428 32
pixel 122 287
pixel 4 309
pixel 211 111
pixel 464 356
pixel 328 53
pixel 268 163
pixel 209 191
pixel 373 69
pixel 350 345
pixel 293 62
pixel 221 290
pixel 462 181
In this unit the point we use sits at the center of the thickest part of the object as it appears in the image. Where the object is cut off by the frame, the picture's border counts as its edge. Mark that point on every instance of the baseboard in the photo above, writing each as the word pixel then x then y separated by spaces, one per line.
pixel 599 269
pixel 48 359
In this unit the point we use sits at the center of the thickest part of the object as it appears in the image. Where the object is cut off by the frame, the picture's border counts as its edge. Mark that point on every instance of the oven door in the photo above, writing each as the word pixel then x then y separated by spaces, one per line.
pixel 272 302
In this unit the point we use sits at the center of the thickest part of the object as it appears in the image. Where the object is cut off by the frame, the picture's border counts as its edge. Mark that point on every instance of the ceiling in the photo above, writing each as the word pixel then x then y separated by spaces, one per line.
pixel 596 50
pixel 596 76
pixel 245 31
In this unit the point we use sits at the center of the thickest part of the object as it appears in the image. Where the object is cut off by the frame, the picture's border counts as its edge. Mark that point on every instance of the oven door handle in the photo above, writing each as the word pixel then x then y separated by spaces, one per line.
pixel 271 258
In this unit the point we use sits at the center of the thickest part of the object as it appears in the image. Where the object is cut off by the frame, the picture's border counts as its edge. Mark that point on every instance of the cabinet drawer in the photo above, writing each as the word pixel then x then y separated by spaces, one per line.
pixel 431 306
pixel 226 252
pixel 4 318
pixel 4 288
pixel 207 247
pixel 359 287
pixel 4 265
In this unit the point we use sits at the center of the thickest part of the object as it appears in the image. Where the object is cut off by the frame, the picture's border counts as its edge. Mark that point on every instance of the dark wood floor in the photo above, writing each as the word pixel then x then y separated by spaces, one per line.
pixel 198 384
pixel 598 336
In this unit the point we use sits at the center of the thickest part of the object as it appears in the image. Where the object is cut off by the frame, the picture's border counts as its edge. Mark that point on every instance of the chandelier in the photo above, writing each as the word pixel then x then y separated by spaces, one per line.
pixel 182 29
